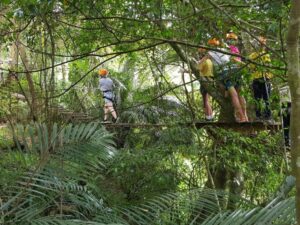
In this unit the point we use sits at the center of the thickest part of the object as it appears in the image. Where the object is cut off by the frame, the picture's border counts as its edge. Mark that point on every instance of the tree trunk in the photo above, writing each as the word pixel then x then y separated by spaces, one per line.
pixel 219 175
pixel 294 83
pixel 64 74
pixel 16 51
pixel 31 87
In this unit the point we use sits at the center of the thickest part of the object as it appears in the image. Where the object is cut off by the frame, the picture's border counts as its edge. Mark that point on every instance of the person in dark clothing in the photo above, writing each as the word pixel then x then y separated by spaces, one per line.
pixel 261 84
pixel 286 108
pixel 261 90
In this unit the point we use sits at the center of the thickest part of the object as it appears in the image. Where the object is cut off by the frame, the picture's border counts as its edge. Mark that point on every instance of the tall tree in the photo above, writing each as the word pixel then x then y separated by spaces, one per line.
pixel 294 82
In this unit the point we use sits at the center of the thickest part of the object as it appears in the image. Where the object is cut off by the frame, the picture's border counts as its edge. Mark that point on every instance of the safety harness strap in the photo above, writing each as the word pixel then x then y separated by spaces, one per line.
pixel 108 98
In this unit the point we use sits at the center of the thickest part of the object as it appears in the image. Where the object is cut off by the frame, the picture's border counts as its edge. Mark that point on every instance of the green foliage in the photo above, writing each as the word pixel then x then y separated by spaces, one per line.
pixel 259 159
pixel 71 174
pixel 72 171
pixel 51 170
pixel 77 69
pixel 5 138
pixel 142 173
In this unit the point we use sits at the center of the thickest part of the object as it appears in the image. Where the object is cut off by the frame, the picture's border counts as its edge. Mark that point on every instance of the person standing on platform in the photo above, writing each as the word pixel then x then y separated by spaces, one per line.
pixel 106 85
pixel 261 81
pixel 206 73
pixel 236 75
pixel 286 108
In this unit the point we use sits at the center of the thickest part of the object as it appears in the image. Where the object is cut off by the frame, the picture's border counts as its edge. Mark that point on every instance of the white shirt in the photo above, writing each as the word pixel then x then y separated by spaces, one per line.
pixel 219 58
pixel 106 84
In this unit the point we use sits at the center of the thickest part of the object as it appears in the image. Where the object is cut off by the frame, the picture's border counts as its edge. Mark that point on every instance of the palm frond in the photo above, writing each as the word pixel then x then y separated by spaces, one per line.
pixel 50 191
pixel 65 156
pixel 208 207
pixel 281 213
pixel 181 206
pixel 62 221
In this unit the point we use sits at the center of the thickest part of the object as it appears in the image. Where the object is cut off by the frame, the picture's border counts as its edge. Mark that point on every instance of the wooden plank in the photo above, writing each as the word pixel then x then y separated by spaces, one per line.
pixel 242 126
pixel 248 126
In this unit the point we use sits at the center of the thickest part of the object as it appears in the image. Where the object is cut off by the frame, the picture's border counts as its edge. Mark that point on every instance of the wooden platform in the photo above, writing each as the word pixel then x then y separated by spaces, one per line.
pixel 248 126
pixel 237 126
pixel 70 116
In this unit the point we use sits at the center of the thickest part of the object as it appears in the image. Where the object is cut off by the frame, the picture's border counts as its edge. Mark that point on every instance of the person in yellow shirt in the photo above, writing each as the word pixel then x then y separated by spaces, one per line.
pixel 261 84
pixel 206 72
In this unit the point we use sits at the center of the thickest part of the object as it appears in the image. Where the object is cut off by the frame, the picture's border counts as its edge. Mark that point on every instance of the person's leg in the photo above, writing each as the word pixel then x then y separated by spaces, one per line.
pixel 266 92
pixel 206 104
pixel 257 97
pixel 238 112
pixel 243 103
pixel 222 76
pixel 208 109
pixel 113 112
pixel 289 111
pixel 236 104
pixel 286 123
pixel 111 109
pixel 238 81
pixel 106 112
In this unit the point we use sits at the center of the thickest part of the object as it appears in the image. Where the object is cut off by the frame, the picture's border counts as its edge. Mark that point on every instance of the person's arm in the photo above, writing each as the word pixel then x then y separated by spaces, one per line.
pixel 236 59
pixel 204 58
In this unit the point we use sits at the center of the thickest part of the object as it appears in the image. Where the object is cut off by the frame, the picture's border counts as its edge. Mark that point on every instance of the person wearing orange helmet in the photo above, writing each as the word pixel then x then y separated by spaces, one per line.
pixel 231 40
pixel 106 85
pixel 236 76
pixel 206 72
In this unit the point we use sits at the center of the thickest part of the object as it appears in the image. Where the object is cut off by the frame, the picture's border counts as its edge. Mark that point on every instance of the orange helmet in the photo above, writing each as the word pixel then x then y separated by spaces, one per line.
pixel 231 35
pixel 103 72
pixel 213 41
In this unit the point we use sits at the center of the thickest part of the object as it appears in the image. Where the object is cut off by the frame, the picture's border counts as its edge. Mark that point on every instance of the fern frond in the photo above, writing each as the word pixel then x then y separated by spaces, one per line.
pixel 282 213
pixel 64 156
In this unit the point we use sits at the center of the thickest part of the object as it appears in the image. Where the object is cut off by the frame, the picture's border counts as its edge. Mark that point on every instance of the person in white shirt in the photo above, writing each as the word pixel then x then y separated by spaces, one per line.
pixel 106 85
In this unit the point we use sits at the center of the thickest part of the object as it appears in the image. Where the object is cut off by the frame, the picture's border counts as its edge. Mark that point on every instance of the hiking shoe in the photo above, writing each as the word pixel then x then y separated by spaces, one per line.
pixel 243 120
pixel 269 121
pixel 258 119
pixel 115 120
pixel 209 119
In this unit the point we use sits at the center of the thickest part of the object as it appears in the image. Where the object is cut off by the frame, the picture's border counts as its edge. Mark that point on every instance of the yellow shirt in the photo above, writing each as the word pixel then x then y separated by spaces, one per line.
pixel 206 68
pixel 257 71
